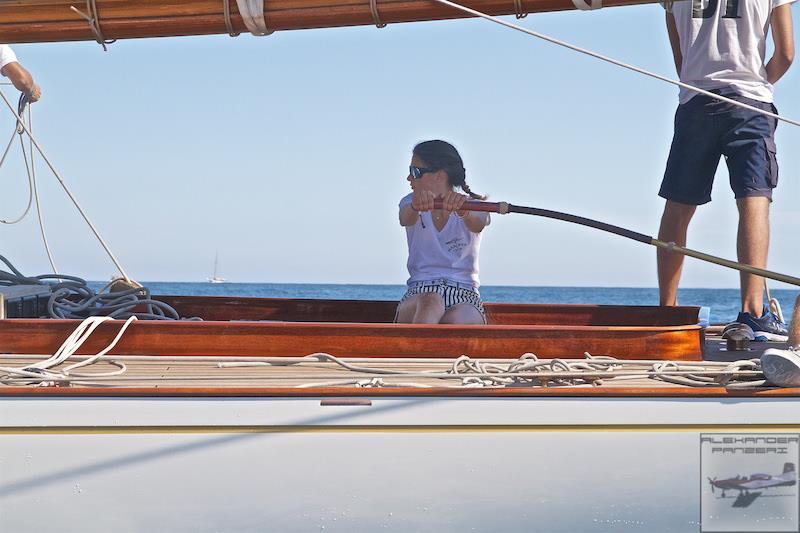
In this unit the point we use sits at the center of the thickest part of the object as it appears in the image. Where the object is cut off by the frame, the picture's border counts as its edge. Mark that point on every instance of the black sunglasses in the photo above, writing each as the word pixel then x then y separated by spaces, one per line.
pixel 418 172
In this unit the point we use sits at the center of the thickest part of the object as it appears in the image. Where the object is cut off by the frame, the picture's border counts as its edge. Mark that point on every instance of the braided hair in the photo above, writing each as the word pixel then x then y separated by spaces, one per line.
pixel 441 155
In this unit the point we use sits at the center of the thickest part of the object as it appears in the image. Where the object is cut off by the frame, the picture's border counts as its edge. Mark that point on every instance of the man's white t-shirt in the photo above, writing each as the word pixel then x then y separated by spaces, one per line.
pixel 450 254
pixel 6 55
pixel 723 43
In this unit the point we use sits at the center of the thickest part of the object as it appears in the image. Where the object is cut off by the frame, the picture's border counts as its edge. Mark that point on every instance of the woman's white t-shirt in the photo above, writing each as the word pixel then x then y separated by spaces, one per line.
pixel 7 55
pixel 723 44
pixel 450 254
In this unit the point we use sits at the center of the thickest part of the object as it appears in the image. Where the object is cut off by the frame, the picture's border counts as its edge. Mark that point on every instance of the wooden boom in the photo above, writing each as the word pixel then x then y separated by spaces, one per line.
pixel 28 21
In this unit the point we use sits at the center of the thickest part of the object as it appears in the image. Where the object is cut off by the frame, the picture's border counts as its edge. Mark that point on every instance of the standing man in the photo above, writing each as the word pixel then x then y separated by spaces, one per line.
pixel 720 46
pixel 20 78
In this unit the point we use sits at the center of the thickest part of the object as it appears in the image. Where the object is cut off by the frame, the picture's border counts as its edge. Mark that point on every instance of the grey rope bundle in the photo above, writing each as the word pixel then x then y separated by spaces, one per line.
pixel 72 298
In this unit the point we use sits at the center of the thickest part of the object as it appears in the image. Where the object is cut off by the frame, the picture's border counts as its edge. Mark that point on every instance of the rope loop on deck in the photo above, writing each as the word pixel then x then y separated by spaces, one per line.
pixel 226 12
pixel 93 18
pixel 252 12
pixel 519 11
pixel 41 374
pixel 376 17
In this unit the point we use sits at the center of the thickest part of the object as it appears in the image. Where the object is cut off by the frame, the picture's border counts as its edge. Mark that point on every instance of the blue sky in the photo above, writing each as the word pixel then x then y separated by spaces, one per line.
pixel 288 154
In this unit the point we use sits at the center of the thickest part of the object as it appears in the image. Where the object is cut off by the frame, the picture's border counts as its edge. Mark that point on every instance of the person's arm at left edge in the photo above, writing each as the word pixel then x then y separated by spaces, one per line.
pixel 22 80
pixel 781 24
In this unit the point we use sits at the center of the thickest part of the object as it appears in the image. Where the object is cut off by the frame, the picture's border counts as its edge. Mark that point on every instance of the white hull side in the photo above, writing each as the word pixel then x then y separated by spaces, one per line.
pixel 402 464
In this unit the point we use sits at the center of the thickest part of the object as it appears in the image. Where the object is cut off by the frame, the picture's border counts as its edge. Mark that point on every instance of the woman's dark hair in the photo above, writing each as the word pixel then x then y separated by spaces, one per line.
pixel 441 155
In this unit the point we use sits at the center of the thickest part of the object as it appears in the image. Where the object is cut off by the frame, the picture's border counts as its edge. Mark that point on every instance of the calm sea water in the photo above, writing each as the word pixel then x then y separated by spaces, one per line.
pixel 724 303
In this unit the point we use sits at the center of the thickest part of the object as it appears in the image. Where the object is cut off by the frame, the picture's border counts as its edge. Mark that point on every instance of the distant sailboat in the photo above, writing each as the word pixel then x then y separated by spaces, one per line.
pixel 215 278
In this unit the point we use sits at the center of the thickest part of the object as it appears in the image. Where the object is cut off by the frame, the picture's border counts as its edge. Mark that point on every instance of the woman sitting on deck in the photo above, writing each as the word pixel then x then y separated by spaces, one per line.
pixel 443 244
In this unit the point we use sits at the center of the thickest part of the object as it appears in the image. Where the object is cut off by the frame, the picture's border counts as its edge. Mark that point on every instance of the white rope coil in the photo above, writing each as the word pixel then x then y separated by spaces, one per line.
pixel 527 371
pixel 530 371
pixel 252 12
pixel 42 375
pixel 376 17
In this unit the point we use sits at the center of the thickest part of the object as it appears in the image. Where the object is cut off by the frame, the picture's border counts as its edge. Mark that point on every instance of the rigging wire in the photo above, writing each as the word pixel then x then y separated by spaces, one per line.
pixel 613 61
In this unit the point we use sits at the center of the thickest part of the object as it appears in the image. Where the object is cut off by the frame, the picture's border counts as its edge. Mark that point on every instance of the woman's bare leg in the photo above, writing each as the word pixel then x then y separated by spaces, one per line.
pixel 425 308
pixel 462 314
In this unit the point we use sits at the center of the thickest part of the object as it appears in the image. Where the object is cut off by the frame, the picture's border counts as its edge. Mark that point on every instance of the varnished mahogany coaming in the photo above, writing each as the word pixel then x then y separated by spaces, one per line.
pixel 293 327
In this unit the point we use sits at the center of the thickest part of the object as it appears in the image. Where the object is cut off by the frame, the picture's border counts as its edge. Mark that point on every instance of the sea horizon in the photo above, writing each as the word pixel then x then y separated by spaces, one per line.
pixel 724 303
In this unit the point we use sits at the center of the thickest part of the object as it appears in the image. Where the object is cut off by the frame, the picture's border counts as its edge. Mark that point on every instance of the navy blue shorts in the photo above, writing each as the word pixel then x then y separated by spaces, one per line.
pixel 706 129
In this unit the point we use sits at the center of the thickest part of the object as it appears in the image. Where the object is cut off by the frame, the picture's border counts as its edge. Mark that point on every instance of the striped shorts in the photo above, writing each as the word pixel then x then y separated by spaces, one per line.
pixel 452 293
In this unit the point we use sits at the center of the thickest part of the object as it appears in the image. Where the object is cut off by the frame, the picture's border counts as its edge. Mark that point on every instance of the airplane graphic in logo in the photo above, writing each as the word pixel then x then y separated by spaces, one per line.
pixel 756 482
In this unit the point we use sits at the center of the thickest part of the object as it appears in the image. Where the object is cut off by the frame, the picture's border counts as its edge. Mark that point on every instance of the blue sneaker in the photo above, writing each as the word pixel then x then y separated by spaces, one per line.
pixel 768 326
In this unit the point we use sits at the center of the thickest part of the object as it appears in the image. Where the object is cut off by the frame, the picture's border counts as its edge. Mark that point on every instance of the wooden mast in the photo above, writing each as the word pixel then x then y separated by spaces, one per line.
pixel 28 21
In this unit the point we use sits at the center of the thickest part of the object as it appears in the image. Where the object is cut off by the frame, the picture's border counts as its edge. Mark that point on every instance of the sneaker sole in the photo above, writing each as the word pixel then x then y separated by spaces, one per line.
pixel 763 336
pixel 781 367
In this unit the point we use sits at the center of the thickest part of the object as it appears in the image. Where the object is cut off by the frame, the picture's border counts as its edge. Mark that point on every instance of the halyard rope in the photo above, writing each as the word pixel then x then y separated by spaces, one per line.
pixel 30 168
pixel 93 18
pixel 23 104
pixel 607 59
pixel 55 172
pixel 226 12
pixel 519 12
pixel 376 16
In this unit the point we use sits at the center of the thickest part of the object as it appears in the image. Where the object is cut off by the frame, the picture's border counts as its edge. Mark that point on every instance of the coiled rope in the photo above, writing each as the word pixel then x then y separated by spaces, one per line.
pixel 72 298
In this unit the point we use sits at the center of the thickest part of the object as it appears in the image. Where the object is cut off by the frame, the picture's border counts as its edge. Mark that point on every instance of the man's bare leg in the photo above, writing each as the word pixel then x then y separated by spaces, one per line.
pixel 794 327
pixel 674 225
pixel 752 248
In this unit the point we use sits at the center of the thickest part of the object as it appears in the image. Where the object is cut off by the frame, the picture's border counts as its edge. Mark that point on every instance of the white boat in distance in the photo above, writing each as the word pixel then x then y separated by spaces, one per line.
pixel 215 278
